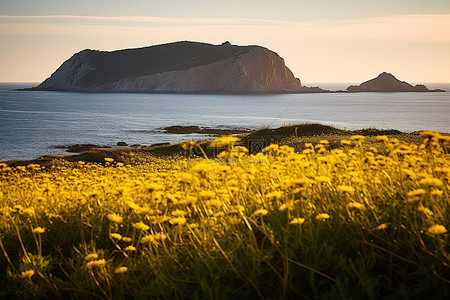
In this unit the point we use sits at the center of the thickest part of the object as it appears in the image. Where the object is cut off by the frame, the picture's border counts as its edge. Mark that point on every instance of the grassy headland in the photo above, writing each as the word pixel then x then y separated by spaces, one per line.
pixel 292 135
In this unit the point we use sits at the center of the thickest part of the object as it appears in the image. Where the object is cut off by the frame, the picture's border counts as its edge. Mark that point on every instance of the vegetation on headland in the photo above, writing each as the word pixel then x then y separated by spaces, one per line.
pixel 346 217
pixel 293 135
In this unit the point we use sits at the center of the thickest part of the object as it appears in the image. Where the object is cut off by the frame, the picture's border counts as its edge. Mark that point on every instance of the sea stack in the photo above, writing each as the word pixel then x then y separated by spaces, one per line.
pixel 180 67
pixel 386 82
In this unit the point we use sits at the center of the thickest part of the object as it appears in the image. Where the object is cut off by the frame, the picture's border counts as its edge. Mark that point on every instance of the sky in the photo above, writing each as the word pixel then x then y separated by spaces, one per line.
pixel 321 41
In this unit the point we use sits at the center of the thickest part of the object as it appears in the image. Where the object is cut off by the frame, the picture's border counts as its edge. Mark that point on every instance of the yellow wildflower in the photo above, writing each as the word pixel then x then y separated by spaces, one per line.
pixel 382 138
pixel 38 230
pixel 127 239
pixel 307 151
pixel 240 207
pixel 18 208
pixel 410 174
pixel 394 141
pixel 319 146
pixel 143 211
pixel 130 248
pixel 28 211
pixel 178 213
pixel 297 221
pixel 185 178
pixel 322 217
pixel 357 138
pixel 188 200
pixel 289 205
pixel 322 179
pixel 215 203
pixel 116 236
pixel 27 274
pixel 415 195
pixel 152 187
pixel 381 227
pixel 309 146
pixel 91 256
pixel 297 183
pixel 346 189
pixel 108 159
pixel 260 212
pixel 274 195
pixel 141 226
pixel 431 182
pixel 373 149
pixel 193 225
pixel 437 229
pixel 177 221
pixel 207 194
pixel 161 236
pixel 115 218
pixel 120 270
pixel 430 134
pixel 95 263
pixel 133 205
pixel 270 148
pixel 147 239
pixel 356 205
pixel 437 192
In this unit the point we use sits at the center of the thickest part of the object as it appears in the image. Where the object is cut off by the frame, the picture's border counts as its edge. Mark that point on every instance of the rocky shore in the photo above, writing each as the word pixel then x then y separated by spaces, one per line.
pixel 205 130
pixel 254 140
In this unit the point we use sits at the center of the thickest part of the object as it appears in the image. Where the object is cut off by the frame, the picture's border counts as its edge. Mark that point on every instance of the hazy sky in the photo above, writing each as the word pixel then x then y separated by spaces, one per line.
pixel 320 40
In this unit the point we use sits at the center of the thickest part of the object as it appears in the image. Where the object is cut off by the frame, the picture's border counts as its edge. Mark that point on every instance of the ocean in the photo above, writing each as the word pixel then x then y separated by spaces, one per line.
pixel 36 123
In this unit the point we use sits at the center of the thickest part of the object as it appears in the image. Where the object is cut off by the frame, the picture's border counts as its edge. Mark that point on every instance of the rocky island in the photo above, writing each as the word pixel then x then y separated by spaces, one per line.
pixel 180 67
pixel 386 82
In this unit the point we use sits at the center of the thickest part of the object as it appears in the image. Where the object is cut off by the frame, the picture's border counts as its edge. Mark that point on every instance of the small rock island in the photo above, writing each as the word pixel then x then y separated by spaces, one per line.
pixel 386 82
pixel 180 67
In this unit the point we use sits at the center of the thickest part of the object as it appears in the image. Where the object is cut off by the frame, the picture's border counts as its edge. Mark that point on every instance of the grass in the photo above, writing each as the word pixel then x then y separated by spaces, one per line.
pixel 362 217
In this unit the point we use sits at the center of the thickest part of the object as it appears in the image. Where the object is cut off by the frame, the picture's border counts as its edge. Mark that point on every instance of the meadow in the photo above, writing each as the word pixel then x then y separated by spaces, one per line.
pixel 317 220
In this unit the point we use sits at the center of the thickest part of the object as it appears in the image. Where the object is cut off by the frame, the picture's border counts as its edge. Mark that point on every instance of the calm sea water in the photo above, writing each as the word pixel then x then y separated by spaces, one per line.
pixel 33 123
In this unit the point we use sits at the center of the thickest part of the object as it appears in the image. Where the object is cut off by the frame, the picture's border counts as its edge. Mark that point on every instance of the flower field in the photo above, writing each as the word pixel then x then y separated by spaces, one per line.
pixel 356 222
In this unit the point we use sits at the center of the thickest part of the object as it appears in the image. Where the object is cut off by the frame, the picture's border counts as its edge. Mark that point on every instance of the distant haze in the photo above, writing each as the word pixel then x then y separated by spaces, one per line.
pixel 321 41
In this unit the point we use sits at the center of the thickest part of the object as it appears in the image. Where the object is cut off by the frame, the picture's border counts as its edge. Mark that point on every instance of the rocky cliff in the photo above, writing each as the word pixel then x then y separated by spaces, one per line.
pixel 386 82
pixel 181 67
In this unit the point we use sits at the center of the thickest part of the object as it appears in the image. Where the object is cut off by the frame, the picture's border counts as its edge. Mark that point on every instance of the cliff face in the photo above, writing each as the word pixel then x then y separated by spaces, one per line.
pixel 176 67
pixel 386 82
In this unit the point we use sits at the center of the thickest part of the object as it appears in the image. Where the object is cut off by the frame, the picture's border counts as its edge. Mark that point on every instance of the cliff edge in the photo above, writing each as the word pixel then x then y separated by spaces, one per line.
pixel 180 67
pixel 386 82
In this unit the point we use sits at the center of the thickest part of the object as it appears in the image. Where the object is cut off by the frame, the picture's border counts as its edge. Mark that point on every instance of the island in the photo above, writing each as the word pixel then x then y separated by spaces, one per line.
pixel 194 67
pixel 386 82
pixel 179 67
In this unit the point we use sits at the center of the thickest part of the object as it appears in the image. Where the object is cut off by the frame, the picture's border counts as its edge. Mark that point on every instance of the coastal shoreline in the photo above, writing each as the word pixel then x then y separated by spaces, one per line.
pixel 306 132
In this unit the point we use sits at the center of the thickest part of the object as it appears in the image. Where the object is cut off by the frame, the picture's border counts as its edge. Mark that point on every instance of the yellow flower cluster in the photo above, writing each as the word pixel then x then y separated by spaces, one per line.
pixel 92 264
pixel 149 207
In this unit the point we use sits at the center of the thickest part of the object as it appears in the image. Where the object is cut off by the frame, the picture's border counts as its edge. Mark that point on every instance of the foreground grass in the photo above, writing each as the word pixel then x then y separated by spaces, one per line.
pixel 311 221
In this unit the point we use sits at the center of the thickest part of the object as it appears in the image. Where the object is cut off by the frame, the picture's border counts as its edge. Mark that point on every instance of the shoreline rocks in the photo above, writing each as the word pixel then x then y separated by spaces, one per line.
pixel 204 130
pixel 78 148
